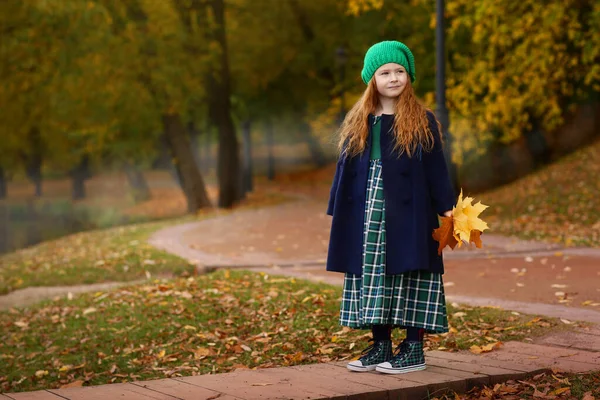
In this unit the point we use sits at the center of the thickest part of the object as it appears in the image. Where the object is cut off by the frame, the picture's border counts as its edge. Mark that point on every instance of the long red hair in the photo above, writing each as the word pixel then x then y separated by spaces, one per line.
pixel 411 126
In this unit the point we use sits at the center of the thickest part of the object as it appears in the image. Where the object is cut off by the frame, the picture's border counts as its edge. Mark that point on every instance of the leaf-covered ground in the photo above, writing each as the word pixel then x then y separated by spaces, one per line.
pixel 559 203
pixel 208 324
pixel 543 386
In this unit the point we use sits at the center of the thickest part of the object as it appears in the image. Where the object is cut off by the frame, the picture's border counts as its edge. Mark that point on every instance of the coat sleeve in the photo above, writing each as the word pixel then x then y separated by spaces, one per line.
pixel 436 171
pixel 333 190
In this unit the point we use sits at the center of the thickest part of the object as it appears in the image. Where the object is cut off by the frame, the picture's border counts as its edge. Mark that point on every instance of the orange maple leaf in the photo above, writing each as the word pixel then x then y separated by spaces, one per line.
pixel 476 238
pixel 445 234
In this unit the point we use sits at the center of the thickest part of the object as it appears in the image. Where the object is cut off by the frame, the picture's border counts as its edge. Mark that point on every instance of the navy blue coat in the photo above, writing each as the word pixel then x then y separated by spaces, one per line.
pixel 416 190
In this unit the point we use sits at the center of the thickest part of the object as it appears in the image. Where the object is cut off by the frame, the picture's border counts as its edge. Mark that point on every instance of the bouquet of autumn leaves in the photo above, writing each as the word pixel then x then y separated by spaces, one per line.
pixel 464 225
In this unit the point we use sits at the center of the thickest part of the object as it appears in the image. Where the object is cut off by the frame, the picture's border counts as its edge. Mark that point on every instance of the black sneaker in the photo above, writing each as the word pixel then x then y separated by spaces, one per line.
pixel 409 357
pixel 376 353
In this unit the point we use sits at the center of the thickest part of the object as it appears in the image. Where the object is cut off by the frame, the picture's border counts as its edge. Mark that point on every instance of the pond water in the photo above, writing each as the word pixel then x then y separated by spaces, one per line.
pixel 26 224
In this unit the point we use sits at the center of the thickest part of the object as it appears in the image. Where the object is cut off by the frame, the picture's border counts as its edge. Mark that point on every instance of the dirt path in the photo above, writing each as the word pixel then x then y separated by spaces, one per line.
pixel 32 295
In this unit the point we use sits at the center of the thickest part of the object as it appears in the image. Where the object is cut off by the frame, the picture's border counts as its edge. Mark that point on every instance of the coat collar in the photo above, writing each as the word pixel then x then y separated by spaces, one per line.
pixel 386 139
pixel 384 118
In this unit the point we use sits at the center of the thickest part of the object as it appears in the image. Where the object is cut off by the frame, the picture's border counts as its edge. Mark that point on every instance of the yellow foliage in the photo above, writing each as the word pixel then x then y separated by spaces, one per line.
pixel 519 60
pixel 465 217
pixel 324 124
pixel 357 7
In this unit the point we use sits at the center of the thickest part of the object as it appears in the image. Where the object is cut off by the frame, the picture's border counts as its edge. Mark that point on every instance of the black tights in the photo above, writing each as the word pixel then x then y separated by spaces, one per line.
pixel 384 332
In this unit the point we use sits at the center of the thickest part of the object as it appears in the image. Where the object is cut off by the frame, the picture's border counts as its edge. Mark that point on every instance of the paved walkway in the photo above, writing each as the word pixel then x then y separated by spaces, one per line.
pixel 445 371
pixel 292 240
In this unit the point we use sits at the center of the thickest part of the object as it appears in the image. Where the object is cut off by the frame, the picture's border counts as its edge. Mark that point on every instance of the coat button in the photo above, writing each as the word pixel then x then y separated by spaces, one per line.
pixel 349 198
pixel 404 173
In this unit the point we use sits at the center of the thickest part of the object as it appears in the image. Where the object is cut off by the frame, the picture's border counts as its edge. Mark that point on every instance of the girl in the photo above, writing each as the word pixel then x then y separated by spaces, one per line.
pixel 390 185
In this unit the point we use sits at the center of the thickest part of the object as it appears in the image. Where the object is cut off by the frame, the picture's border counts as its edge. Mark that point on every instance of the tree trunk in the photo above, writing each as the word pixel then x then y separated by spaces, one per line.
pixel 166 161
pixel 163 159
pixel 4 227
pixel 191 180
pixel 3 190
pixel 324 73
pixel 137 182
pixel 34 160
pixel 537 145
pixel 32 233
pixel 195 141
pixel 316 152
pixel 270 155
pixel 78 188
pixel 79 175
pixel 228 166
pixel 207 158
pixel 176 137
pixel 247 175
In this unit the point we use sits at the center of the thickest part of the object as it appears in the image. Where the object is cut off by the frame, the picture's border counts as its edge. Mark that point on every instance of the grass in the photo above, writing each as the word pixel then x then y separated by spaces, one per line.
pixel 118 254
pixel 206 324
pixel 558 203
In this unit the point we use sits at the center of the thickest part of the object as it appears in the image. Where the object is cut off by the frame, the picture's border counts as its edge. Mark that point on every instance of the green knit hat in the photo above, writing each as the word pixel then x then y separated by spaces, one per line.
pixel 389 51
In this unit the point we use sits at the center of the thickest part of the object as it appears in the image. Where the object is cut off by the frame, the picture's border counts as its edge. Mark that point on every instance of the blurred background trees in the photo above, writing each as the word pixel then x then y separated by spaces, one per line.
pixel 196 87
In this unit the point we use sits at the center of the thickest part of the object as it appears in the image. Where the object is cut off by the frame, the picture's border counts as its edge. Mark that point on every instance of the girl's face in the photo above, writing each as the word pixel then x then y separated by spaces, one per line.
pixel 391 80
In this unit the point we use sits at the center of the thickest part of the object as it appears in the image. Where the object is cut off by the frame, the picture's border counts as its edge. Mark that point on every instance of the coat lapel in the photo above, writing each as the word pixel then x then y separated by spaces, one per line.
pixel 387 139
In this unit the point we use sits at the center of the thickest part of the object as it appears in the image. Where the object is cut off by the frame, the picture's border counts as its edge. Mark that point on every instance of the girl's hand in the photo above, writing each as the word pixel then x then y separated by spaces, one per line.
pixel 448 213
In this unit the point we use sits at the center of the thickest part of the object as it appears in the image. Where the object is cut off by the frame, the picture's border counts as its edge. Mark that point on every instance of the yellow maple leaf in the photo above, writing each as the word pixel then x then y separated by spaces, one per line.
pixel 465 216
pixel 41 373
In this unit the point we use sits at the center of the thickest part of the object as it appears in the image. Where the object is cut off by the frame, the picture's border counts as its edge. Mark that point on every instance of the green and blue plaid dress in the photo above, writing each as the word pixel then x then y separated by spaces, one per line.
pixel 413 299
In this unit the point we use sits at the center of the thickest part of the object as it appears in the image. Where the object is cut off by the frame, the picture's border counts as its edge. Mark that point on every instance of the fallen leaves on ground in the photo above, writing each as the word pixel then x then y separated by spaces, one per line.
pixel 214 323
pixel 485 348
pixel 550 385
pixel 559 202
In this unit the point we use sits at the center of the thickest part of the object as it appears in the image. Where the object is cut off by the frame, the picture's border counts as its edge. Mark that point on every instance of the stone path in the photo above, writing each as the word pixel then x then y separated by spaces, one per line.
pixel 445 372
